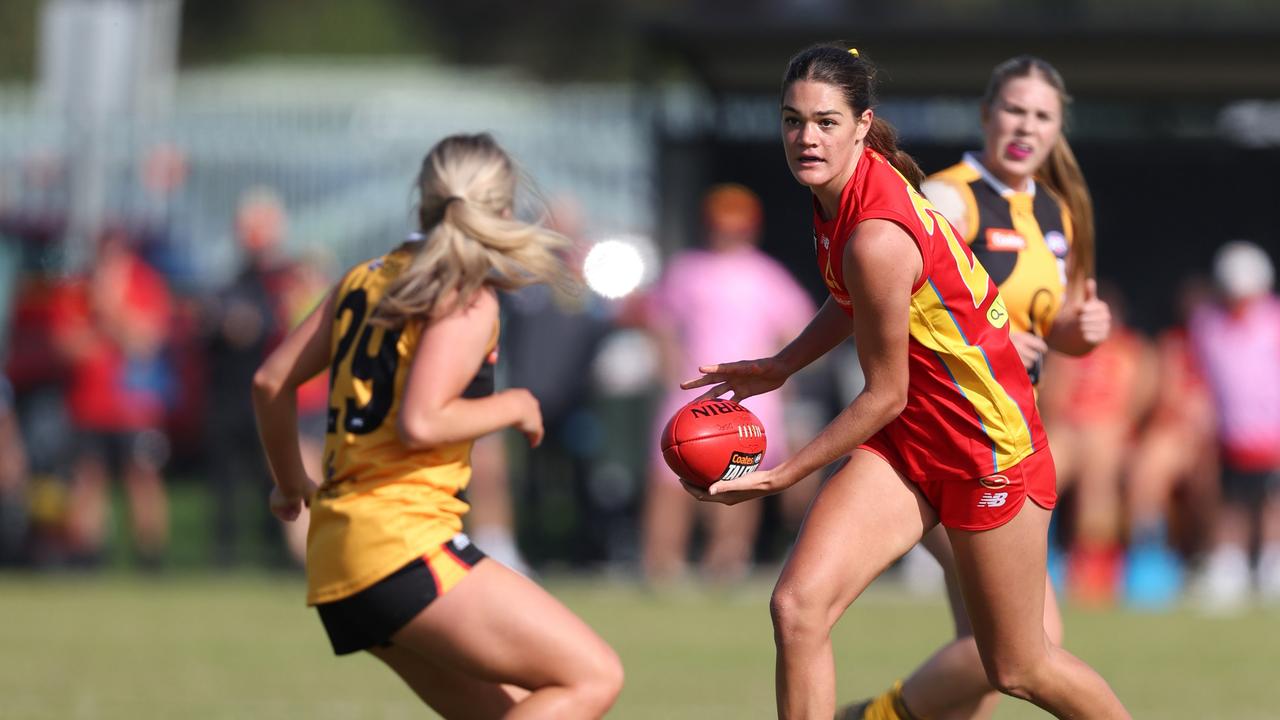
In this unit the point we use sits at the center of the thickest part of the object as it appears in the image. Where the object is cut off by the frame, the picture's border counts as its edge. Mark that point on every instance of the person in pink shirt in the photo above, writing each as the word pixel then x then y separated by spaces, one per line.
pixel 728 299
pixel 1237 342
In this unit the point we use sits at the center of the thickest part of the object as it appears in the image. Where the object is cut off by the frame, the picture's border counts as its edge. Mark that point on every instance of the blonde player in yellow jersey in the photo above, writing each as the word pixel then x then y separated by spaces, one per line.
pixel 410 341
pixel 1024 208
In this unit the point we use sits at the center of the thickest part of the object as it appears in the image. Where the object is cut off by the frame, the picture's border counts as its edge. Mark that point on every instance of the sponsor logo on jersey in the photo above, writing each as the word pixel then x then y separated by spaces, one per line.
pixel 1057 243
pixel 1005 240
pixel 740 464
pixel 994 482
pixel 993 499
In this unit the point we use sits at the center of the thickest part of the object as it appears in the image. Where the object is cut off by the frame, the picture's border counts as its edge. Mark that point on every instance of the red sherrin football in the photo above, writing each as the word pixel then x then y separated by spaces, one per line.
pixel 711 440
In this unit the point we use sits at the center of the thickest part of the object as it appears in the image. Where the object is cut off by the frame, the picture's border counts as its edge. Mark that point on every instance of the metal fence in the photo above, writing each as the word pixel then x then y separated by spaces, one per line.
pixel 339 143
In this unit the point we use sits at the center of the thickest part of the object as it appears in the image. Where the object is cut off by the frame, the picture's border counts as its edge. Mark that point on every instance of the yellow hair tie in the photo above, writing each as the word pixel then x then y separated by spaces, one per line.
pixel 853 52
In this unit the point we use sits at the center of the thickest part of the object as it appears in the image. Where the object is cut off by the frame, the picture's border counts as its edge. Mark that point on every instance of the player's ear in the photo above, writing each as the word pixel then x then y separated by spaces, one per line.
pixel 865 121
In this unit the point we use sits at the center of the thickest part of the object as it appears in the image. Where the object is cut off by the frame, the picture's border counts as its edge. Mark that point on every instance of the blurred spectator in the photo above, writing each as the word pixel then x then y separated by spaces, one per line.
pixel 13 480
pixel 1092 406
pixel 1176 449
pixel 724 302
pixel 268 296
pixel 1238 343
pixel 567 519
pixel 111 328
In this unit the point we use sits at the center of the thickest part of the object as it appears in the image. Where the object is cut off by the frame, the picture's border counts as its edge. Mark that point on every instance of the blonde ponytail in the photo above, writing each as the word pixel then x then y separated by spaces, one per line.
pixel 467 187
pixel 1061 174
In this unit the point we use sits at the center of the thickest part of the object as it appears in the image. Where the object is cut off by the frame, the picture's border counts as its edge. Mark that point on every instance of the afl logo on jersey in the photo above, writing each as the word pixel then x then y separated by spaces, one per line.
pixel 1057 243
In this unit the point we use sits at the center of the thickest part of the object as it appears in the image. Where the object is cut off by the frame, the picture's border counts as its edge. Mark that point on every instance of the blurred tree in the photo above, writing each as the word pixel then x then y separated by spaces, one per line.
pixel 19 18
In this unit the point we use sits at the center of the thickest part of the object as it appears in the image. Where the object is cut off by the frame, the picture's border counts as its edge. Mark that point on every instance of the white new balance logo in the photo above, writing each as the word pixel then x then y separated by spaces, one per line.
pixel 993 499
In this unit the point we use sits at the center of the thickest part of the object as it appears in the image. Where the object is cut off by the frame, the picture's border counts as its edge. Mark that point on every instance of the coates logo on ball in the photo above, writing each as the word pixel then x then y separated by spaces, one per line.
pixel 740 464
pixel 711 440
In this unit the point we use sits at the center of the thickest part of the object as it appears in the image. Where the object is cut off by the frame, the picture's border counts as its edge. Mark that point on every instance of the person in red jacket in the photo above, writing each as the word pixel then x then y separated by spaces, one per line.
pixel 110 327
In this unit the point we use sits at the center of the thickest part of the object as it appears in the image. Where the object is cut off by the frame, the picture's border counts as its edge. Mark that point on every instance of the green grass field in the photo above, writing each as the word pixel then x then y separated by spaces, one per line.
pixel 243 646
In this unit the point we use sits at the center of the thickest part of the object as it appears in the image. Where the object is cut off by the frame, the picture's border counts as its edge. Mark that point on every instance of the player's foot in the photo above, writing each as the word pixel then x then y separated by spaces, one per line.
pixel 852 712
pixel 1223 585
pixel 1269 573
pixel 1093 575
pixel 1153 577
pixel 885 706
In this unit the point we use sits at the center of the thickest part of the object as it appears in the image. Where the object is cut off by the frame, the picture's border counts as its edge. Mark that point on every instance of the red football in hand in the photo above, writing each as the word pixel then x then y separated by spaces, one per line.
pixel 711 440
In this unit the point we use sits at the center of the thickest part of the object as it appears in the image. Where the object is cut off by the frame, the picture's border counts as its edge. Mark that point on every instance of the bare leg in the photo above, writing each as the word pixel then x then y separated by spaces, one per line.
pixel 864 517
pixel 489 494
pixel 668 522
pixel 544 648
pixel 732 532
pixel 87 506
pixel 451 693
pixel 1004 593
pixel 491 522
pixel 148 507
pixel 952 684
pixel 1164 455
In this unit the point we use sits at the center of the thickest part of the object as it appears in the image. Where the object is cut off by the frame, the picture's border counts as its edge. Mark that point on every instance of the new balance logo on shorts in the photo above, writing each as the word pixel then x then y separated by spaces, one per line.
pixel 993 499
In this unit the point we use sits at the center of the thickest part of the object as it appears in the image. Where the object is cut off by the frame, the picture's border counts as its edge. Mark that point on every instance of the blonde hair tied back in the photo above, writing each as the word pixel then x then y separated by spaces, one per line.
pixel 469 238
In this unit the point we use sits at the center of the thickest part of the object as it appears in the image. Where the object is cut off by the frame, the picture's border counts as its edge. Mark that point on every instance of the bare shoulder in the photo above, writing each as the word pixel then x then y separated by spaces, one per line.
pixel 881 249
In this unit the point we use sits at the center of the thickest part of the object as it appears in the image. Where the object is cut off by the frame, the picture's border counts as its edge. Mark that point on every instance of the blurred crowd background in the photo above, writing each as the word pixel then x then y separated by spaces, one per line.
pixel 180 182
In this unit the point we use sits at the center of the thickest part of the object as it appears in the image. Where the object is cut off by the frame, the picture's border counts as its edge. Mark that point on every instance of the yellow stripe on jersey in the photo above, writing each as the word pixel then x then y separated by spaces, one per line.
pixel 934 327
pixel 381 504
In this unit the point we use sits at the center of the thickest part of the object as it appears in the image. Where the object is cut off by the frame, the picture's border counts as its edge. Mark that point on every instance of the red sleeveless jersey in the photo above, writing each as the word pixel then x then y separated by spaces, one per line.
pixel 970 408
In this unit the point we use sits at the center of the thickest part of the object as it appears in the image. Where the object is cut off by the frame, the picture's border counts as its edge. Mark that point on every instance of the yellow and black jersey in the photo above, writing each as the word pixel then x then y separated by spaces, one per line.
pixel 380 504
pixel 1021 238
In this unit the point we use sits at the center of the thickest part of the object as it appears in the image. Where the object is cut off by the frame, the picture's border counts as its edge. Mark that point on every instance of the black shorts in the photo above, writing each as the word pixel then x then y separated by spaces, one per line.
pixel 1248 488
pixel 118 448
pixel 370 617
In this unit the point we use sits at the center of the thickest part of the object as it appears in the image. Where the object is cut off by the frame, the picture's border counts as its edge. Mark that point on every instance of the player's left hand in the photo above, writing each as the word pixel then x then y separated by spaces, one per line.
pixel 748 487
pixel 289 508
pixel 1094 317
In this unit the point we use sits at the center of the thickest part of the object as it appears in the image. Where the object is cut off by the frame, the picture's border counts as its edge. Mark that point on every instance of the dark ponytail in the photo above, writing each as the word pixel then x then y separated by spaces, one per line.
pixel 1060 172
pixel 883 138
pixel 839 66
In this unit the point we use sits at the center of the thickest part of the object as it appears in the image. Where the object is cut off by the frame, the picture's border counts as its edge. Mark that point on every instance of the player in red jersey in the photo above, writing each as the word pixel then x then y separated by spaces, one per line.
pixel 945 430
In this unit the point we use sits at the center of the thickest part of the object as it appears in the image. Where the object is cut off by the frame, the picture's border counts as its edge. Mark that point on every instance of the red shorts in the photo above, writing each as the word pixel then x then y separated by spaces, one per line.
pixel 986 502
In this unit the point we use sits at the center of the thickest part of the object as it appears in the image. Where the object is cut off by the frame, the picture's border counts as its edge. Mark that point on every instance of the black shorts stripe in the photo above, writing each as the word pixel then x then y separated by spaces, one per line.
pixel 370 617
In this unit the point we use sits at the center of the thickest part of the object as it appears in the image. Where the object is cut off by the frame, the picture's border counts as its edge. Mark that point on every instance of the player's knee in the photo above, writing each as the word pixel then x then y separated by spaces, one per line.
pixel 599 689
pixel 795 614
pixel 1015 678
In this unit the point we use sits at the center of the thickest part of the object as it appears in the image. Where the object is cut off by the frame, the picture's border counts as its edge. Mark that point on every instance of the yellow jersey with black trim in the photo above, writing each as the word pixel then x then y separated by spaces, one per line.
pixel 380 504
pixel 1021 238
